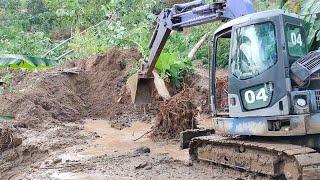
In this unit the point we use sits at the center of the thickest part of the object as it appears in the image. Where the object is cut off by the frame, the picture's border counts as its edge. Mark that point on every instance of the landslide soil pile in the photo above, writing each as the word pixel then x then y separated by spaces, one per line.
pixel 48 113
pixel 176 115
pixel 222 93
pixel 106 94
pixel 98 91
pixel 179 113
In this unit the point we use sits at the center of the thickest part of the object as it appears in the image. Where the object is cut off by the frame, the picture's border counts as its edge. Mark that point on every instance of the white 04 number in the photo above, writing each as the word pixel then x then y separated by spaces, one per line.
pixel 251 97
pixel 296 39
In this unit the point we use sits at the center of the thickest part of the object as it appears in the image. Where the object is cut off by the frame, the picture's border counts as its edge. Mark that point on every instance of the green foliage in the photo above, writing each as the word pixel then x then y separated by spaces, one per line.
pixel 6 117
pixel 223 52
pixel 170 65
pixel 128 25
pixel 86 45
pixel 19 42
pixel 27 62
pixel 262 5
pixel 310 12
pixel 33 27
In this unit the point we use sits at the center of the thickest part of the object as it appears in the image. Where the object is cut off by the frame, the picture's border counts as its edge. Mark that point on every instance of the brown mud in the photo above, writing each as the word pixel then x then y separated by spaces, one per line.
pixel 59 136
pixel 97 91
pixel 55 100
pixel 8 139
pixel 184 110
pixel 110 154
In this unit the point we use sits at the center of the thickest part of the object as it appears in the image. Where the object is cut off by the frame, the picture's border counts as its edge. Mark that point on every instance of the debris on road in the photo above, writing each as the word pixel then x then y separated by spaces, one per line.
pixel 8 139
pixel 176 115
pixel 57 160
pixel 141 165
pixel 50 116
pixel 142 150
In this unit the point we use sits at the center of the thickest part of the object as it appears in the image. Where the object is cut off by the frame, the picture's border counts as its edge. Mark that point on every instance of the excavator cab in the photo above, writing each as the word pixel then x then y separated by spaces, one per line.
pixel 273 87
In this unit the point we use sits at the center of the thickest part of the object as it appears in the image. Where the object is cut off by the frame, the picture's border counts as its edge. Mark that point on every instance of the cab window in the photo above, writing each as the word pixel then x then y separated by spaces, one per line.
pixel 254 50
pixel 295 40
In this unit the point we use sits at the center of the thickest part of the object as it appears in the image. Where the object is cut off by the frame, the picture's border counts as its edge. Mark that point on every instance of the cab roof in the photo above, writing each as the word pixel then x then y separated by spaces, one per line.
pixel 252 17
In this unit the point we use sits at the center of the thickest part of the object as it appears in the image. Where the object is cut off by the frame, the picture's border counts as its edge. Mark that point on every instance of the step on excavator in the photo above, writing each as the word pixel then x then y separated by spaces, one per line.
pixel 271 125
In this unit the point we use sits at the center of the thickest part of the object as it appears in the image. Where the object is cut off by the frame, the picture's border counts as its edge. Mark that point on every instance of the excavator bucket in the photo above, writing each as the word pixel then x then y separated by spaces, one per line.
pixel 141 88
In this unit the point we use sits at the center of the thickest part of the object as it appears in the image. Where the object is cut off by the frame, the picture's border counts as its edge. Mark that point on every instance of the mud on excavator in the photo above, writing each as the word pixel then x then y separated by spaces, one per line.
pixel 272 121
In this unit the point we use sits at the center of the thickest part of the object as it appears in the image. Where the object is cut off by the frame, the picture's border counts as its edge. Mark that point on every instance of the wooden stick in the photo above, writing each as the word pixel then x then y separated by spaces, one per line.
pixel 143 135
pixel 198 45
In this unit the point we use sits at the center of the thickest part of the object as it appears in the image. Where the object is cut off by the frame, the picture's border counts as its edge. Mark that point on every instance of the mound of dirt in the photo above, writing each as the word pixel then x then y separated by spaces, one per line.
pixel 52 99
pixel 98 91
pixel 107 75
pixel 176 115
pixel 201 96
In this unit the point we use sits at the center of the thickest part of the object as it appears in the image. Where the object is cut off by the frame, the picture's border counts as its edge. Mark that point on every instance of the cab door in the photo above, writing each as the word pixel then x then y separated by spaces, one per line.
pixel 220 50
pixel 257 73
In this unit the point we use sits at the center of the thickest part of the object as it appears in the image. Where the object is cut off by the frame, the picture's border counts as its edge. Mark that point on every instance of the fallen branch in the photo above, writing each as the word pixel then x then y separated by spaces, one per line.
pixel 198 45
pixel 143 135
pixel 69 71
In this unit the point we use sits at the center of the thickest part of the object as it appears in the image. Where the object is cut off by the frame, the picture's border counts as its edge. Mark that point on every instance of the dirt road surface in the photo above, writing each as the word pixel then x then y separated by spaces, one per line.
pixel 95 150
pixel 83 126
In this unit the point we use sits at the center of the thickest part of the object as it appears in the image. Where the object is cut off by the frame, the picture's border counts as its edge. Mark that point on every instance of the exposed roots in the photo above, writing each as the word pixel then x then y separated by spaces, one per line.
pixel 8 139
pixel 176 115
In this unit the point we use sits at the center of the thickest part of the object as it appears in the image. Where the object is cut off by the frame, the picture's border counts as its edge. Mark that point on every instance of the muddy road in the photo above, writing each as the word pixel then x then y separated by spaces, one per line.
pixel 95 150
pixel 77 122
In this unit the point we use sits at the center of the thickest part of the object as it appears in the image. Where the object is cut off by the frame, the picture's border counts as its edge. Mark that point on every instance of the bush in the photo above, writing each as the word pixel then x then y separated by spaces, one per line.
pixel 310 11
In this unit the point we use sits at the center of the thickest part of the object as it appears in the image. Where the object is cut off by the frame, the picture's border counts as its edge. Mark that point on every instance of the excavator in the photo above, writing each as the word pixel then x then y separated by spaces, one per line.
pixel 271 125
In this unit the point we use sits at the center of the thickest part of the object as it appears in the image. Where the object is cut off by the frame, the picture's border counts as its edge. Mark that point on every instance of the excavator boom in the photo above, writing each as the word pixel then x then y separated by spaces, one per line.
pixel 176 18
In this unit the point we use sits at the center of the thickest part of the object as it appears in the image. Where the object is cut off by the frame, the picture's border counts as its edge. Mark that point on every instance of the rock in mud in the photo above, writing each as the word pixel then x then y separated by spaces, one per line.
pixel 149 167
pixel 141 165
pixel 57 160
pixel 142 150
pixel 188 163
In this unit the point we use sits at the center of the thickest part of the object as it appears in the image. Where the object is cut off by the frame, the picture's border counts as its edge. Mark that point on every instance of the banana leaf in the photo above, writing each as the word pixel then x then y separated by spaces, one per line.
pixel 6 117
pixel 26 62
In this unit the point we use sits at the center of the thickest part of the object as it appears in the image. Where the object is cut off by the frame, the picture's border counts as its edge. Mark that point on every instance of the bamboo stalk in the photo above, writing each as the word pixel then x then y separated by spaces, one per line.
pixel 198 45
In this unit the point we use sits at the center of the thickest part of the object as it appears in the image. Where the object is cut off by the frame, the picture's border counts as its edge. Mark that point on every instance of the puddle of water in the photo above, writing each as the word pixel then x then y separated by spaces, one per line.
pixel 122 141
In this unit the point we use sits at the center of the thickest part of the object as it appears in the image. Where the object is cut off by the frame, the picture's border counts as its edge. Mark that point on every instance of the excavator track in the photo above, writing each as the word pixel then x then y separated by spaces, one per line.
pixel 276 159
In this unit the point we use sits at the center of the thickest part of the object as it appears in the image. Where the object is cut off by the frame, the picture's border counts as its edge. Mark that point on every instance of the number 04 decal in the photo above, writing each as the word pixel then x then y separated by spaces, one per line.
pixel 251 97
pixel 296 39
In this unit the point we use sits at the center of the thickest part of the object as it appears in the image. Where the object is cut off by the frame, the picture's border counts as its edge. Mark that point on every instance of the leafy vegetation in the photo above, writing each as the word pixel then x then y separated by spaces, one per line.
pixel 82 28
pixel 73 29
pixel 6 117
pixel 310 12
pixel 27 62
pixel 170 65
